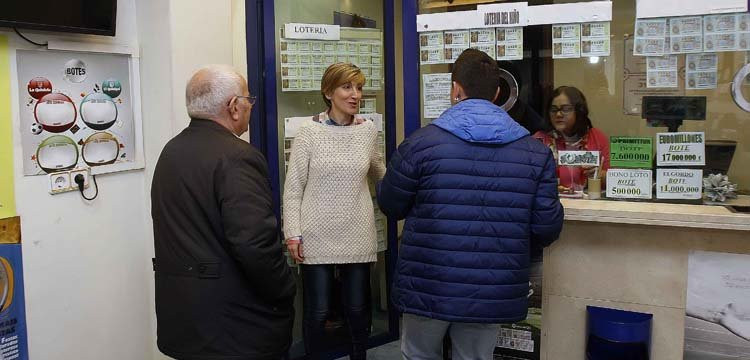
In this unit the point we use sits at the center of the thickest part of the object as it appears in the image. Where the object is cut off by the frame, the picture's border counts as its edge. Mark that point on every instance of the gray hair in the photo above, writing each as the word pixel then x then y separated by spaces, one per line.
pixel 210 89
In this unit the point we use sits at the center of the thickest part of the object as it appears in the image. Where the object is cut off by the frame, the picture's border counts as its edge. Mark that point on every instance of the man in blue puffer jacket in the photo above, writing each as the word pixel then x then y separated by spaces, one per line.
pixel 478 194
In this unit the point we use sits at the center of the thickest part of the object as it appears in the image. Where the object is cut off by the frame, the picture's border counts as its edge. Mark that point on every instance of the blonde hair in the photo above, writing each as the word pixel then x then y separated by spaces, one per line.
pixel 337 75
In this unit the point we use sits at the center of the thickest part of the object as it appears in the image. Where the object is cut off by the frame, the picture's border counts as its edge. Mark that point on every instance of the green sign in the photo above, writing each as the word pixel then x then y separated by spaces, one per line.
pixel 631 152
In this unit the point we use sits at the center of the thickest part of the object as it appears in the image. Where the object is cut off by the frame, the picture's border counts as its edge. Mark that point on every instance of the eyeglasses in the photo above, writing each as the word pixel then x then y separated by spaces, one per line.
pixel 566 109
pixel 250 99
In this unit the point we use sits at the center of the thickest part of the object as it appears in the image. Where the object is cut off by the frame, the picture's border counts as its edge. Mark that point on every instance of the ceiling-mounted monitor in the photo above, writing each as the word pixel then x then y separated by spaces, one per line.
pixel 75 16
pixel 670 111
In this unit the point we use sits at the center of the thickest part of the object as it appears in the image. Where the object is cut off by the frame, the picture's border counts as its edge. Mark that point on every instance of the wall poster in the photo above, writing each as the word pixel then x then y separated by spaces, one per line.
pixel 13 337
pixel 436 94
pixel 78 109
pixel 717 316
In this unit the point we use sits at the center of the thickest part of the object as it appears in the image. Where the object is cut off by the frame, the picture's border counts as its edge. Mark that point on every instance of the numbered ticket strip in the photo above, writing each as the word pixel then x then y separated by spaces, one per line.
pixel 692 34
pixel 304 60
pixel 506 43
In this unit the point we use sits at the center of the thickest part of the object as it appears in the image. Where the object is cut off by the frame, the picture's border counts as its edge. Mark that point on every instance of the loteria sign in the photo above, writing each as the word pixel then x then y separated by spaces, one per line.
pixel 312 31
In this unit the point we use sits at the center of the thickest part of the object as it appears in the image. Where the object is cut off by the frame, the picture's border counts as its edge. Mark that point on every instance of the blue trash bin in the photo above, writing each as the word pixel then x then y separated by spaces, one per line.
pixel 617 334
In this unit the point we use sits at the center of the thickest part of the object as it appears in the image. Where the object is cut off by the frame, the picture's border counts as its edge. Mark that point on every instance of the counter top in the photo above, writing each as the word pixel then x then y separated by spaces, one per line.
pixel 657 214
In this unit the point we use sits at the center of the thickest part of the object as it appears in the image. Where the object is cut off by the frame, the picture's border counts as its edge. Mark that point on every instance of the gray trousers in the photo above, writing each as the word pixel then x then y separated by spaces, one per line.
pixel 422 339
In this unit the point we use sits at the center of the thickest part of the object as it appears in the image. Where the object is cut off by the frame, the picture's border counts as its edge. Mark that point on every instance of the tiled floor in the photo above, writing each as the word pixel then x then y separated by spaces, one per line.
pixel 389 351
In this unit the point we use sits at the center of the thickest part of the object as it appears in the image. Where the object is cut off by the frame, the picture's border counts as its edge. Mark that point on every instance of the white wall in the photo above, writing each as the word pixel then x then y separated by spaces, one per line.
pixel 89 284
pixel 158 114
pixel 85 263
pixel 194 34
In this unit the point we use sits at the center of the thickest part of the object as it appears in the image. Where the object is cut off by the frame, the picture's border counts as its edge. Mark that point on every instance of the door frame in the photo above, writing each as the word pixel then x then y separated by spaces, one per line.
pixel 260 33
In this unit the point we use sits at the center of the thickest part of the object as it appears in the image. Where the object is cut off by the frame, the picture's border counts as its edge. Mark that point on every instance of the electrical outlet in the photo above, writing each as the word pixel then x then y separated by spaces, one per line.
pixel 84 172
pixel 59 182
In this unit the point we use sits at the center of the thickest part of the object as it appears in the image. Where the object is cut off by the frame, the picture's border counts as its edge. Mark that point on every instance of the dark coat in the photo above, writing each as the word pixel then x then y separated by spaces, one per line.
pixel 223 289
pixel 478 193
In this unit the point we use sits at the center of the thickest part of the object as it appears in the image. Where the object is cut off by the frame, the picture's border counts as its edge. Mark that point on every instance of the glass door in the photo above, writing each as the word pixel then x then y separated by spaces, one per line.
pixel 288 70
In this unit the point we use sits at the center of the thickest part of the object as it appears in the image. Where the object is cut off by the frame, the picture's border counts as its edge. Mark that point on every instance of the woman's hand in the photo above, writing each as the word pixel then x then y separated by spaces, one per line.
pixel 589 171
pixel 295 249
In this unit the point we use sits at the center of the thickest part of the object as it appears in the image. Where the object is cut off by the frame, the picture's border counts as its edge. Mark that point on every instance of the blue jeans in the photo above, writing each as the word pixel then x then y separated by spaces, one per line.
pixel 317 284
pixel 422 339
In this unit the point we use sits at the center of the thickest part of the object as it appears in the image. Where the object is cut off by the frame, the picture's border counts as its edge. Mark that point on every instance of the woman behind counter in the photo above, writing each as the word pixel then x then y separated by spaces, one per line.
pixel 328 213
pixel 568 115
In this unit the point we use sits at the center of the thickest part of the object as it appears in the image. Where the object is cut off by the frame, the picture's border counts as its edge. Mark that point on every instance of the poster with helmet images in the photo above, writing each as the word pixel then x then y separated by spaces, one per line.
pixel 13 337
pixel 76 110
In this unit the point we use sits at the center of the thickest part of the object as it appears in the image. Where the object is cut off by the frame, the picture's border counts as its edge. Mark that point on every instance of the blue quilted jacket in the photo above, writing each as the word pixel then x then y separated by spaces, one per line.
pixel 478 194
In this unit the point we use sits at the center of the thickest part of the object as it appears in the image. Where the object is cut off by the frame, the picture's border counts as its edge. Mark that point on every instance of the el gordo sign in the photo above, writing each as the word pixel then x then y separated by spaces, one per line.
pixel 312 31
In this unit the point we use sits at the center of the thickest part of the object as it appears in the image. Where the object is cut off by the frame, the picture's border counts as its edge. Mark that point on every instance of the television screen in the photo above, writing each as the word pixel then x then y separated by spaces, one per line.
pixel 76 16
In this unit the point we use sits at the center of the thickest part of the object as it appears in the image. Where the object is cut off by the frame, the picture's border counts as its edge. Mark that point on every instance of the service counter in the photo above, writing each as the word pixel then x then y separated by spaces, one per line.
pixel 630 256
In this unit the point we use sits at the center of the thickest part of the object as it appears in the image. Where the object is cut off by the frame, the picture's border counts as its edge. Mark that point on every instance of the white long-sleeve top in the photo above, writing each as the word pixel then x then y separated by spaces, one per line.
pixel 327 199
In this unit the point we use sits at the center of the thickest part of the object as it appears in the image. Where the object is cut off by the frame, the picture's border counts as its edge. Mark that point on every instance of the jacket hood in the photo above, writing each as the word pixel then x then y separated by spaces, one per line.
pixel 480 121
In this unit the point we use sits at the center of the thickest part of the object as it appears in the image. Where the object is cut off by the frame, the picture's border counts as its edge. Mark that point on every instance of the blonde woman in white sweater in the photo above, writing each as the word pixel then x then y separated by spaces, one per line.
pixel 328 212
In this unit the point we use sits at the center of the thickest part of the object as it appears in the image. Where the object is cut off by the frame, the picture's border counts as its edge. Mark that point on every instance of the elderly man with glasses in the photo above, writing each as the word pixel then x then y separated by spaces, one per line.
pixel 223 289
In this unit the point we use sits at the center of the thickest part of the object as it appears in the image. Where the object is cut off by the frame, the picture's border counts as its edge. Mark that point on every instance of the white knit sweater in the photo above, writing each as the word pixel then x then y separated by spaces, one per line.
pixel 327 198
